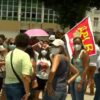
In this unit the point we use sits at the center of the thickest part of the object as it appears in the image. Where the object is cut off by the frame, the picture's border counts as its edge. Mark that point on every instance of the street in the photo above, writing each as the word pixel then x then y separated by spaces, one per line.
pixel 87 96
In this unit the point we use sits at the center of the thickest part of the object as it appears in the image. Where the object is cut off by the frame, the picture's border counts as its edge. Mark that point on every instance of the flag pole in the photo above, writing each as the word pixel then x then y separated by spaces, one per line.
pixel 75 26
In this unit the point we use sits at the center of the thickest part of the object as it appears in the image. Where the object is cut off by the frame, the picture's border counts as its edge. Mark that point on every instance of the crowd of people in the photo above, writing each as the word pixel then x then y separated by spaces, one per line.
pixel 29 67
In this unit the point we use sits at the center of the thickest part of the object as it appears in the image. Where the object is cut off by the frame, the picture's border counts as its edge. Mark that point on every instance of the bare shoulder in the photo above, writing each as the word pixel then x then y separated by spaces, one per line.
pixel 57 56
pixel 85 55
pixel 60 56
pixel 66 58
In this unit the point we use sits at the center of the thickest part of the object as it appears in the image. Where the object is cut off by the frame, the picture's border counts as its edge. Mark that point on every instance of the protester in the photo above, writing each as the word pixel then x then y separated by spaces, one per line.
pixel 43 65
pixel 92 68
pixel 81 61
pixel 56 88
pixel 3 52
pixel 33 83
pixel 2 67
pixel 97 77
pixel 18 62
pixel 11 44
pixel 2 39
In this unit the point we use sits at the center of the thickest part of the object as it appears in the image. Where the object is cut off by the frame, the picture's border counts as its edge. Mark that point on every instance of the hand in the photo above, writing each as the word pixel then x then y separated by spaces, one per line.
pixel 49 89
pixel 79 87
pixel 26 96
pixel 40 44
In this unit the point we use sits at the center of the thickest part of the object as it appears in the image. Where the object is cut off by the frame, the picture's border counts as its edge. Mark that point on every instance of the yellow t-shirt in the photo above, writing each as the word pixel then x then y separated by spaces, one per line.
pixel 21 63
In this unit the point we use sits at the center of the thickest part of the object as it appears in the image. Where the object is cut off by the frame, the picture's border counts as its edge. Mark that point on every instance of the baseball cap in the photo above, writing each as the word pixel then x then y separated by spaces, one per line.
pixel 58 42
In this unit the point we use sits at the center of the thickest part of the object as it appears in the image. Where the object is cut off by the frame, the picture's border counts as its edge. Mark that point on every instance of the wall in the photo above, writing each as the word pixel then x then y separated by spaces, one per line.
pixel 12 28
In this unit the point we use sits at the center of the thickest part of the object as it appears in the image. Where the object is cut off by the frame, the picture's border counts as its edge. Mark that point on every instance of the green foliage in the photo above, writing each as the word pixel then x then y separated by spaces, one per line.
pixel 71 11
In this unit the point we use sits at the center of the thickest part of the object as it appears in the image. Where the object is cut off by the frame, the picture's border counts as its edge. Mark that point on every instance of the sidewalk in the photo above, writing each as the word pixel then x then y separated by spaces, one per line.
pixel 87 96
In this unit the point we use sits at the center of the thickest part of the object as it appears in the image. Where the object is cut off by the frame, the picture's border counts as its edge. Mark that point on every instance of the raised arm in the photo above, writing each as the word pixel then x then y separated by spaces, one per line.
pixel 55 64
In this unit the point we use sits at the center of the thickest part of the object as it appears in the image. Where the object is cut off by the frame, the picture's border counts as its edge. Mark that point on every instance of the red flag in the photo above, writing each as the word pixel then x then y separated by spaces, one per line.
pixel 84 30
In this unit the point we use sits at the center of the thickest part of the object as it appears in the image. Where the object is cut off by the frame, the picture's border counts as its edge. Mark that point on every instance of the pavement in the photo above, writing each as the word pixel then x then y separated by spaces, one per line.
pixel 87 96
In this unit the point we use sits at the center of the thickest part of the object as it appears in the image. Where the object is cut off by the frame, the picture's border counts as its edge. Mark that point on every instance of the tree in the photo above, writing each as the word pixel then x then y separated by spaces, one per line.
pixel 71 11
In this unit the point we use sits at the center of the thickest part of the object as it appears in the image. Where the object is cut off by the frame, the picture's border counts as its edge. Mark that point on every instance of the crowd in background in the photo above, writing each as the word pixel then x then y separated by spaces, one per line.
pixel 29 66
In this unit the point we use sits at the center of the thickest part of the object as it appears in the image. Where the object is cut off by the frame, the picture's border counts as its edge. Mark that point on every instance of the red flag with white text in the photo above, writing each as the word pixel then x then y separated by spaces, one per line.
pixel 84 30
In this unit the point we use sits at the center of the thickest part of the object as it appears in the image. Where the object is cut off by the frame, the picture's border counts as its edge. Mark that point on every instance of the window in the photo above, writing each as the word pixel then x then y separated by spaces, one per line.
pixel 10 8
pixel 33 15
pixel 4 2
pixel 28 16
pixel 45 16
pixel 51 16
pixel 4 14
pixel 15 14
pixel 0 7
pixel 33 10
pixel 96 21
pixel 51 11
pixel 10 14
pixel 39 17
pixel 39 10
pixel 10 2
pixel 46 11
pixel 23 9
pixel 23 3
pixel 16 8
pixel 22 14
pixel 30 10
pixel 4 7
pixel 15 2
pixel 28 4
pixel 4 18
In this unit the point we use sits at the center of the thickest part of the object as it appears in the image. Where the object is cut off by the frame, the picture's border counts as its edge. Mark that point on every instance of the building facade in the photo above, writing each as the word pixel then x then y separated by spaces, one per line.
pixel 16 15
pixel 20 15
pixel 95 19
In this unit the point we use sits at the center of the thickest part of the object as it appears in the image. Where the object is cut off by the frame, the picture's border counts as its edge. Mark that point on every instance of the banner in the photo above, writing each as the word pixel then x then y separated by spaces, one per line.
pixel 84 30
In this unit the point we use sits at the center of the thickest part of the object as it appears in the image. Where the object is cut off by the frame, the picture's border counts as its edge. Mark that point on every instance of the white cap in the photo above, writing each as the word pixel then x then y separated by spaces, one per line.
pixel 58 42
pixel 2 48
pixel 52 37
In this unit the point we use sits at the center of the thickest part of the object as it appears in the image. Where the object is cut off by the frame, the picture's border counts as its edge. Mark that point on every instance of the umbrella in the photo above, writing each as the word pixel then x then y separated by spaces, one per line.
pixel 36 32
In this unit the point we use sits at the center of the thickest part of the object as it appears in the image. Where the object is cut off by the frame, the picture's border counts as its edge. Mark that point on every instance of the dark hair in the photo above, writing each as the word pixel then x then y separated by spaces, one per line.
pixel 30 51
pixel 62 50
pixel 80 41
pixel 2 36
pixel 47 56
pixel 98 43
pixel 22 40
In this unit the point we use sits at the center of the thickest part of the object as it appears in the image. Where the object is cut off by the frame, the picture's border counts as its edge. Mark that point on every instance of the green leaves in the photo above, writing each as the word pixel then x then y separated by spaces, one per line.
pixel 71 11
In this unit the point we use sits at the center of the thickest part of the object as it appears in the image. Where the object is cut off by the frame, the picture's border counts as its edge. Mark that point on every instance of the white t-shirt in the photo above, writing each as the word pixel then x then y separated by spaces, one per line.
pixel 43 68
pixel 93 58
